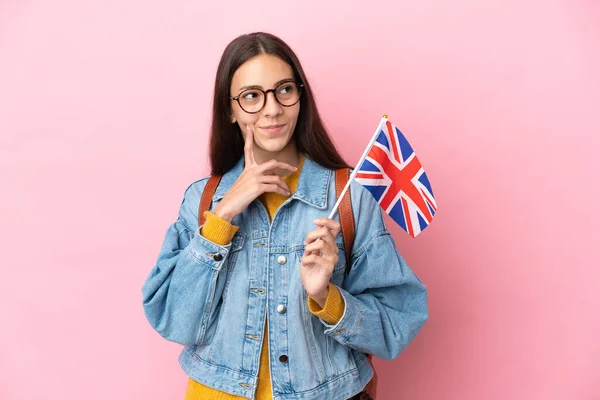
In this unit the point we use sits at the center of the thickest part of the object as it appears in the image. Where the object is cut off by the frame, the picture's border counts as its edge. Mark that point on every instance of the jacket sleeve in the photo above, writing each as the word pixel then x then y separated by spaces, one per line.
pixel 181 293
pixel 385 302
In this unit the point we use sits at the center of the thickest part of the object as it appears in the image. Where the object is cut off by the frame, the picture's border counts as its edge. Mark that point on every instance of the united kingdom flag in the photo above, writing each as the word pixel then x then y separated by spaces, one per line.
pixel 393 174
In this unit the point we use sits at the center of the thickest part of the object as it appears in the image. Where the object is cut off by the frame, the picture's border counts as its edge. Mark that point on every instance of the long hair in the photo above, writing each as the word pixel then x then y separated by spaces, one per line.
pixel 226 140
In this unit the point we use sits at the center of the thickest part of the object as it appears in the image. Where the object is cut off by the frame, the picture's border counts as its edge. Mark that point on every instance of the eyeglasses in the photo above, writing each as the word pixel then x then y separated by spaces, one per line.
pixel 253 100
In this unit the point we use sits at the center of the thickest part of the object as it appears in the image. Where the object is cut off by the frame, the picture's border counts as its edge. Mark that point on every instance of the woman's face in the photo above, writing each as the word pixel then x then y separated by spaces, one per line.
pixel 273 126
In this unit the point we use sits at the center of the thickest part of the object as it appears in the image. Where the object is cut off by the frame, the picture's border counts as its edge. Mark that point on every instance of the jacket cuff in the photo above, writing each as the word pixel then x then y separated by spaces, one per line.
pixel 345 329
pixel 333 310
pixel 217 230
pixel 209 253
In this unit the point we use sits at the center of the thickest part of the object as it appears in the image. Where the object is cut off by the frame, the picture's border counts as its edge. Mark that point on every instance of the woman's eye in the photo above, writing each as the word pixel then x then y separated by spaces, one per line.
pixel 286 89
pixel 250 95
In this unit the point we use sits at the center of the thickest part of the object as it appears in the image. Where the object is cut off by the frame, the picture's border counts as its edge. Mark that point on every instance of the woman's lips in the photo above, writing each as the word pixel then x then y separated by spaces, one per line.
pixel 273 129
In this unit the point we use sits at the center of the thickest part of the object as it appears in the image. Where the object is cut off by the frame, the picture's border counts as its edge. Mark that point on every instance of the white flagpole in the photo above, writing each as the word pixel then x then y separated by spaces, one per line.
pixel 339 200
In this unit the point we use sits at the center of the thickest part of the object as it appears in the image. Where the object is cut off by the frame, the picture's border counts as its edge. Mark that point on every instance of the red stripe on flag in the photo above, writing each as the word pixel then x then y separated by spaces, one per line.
pixel 369 176
pixel 393 144
pixel 429 201
pixel 407 218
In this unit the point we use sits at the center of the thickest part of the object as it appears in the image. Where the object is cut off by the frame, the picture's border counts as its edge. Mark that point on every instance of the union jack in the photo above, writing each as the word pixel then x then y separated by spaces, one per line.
pixel 393 174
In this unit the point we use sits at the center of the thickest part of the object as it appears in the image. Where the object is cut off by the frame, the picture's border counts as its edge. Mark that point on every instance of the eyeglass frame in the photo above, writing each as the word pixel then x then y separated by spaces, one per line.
pixel 266 93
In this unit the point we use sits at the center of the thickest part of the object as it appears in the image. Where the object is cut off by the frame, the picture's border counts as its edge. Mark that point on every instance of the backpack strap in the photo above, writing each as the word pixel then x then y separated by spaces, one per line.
pixel 345 211
pixel 207 195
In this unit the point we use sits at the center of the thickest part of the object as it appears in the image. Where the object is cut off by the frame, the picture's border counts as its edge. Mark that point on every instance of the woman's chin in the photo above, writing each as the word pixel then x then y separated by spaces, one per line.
pixel 273 145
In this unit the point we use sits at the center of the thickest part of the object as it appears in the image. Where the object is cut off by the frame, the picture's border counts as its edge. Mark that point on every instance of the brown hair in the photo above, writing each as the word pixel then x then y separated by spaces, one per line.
pixel 226 141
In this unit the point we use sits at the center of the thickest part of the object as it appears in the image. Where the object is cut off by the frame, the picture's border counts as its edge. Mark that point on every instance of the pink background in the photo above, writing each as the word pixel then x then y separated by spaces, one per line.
pixel 104 112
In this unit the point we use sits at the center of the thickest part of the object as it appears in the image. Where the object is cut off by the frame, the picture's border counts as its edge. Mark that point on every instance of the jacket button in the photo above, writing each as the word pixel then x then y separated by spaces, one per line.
pixel 283 358
pixel 217 257
pixel 281 309
pixel 281 260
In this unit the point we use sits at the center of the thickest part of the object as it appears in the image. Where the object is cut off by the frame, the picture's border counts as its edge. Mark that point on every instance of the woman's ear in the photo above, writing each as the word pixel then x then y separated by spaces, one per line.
pixel 233 120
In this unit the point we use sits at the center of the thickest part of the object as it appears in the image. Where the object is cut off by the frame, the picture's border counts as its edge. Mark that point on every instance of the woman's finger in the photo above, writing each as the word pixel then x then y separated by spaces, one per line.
pixel 273 188
pixel 317 246
pixel 314 259
pixel 249 147
pixel 320 233
pixel 331 224
pixel 268 168
pixel 275 179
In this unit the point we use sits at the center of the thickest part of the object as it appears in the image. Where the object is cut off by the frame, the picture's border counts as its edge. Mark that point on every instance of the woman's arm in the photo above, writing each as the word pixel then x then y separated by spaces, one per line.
pixel 385 302
pixel 183 288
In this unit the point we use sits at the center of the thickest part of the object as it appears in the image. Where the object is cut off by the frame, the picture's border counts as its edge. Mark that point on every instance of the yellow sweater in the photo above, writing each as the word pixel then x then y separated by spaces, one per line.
pixel 221 232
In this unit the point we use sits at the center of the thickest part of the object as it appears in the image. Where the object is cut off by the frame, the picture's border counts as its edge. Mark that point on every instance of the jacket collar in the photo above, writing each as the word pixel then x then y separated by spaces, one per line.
pixel 312 187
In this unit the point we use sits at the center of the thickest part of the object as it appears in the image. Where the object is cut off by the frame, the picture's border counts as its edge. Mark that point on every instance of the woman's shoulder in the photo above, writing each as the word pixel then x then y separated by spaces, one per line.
pixel 190 203
pixel 196 188
pixel 192 195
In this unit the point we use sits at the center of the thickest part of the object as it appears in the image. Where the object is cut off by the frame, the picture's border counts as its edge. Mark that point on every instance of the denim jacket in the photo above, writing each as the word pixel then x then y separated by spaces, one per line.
pixel 214 299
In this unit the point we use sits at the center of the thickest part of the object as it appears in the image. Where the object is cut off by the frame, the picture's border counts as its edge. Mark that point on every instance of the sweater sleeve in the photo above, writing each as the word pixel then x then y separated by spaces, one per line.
pixel 333 310
pixel 217 230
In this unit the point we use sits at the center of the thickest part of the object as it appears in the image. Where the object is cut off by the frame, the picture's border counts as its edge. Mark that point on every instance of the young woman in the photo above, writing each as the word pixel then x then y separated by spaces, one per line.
pixel 259 294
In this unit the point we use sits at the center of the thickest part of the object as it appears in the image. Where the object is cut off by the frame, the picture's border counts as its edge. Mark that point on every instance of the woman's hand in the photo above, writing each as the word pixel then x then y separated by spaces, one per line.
pixel 255 180
pixel 319 259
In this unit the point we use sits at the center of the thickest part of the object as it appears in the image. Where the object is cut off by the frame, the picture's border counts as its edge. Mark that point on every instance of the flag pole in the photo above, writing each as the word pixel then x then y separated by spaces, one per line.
pixel 339 200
